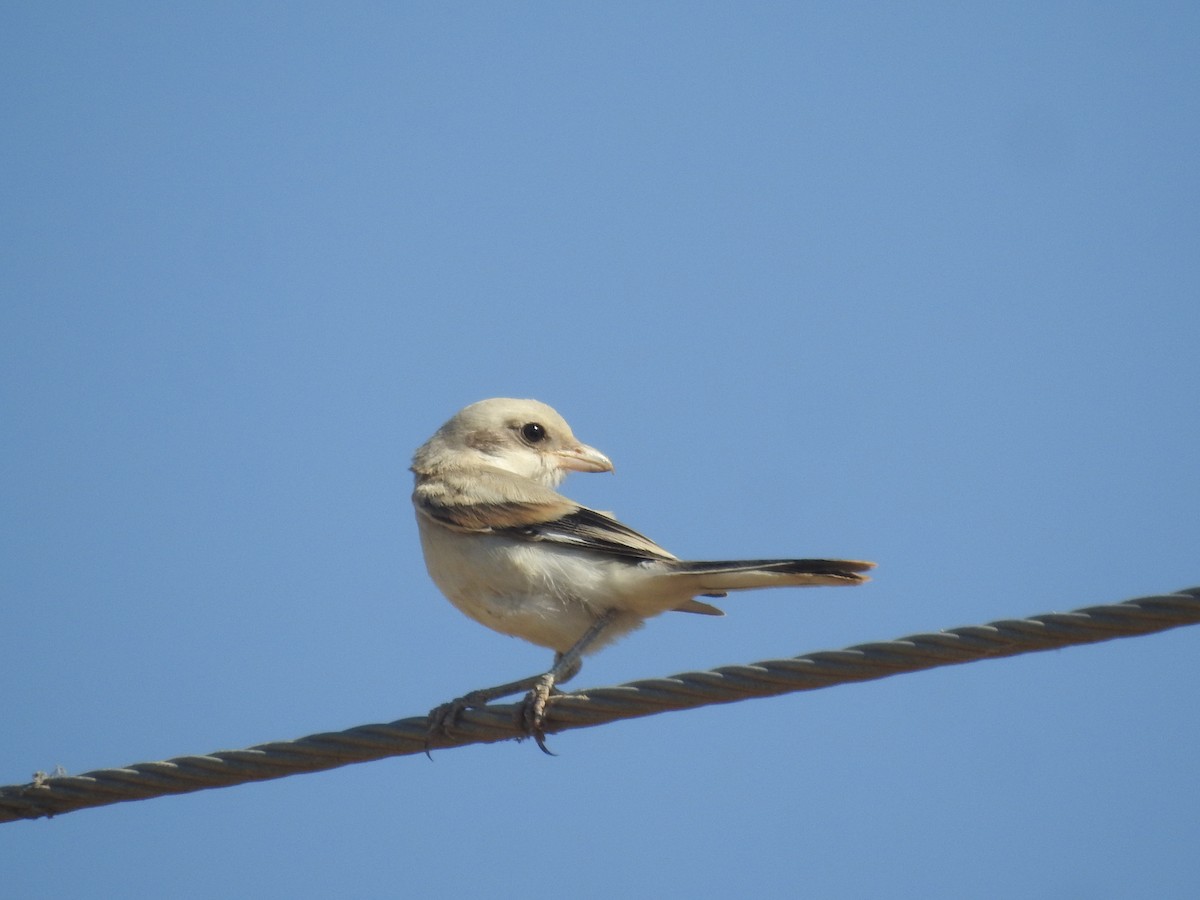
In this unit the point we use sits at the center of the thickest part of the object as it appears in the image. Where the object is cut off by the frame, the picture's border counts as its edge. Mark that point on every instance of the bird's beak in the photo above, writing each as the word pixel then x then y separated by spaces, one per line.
pixel 583 459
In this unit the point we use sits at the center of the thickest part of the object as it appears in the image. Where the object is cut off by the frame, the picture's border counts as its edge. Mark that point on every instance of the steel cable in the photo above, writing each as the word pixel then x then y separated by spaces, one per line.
pixel 49 795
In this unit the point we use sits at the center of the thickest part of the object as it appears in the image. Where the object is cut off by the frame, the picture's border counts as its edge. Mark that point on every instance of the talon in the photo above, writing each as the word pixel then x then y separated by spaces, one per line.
pixel 532 712
pixel 442 719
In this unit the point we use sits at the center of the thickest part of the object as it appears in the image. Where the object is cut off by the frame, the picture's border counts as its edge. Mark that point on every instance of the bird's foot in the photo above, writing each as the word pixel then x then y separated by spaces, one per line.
pixel 531 714
pixel 442 719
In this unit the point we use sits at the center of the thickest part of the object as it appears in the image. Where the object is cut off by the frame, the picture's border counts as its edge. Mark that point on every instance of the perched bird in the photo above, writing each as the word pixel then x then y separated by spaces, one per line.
pixel 520 558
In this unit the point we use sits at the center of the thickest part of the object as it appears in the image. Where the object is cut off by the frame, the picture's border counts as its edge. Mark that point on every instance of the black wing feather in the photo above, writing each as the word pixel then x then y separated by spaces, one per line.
pixel 592 530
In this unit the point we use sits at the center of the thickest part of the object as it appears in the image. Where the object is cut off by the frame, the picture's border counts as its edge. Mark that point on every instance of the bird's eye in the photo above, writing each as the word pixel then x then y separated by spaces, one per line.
pixel 533 432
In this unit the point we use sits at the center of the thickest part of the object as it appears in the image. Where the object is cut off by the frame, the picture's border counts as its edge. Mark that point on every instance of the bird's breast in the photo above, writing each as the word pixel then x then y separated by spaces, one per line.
pixel 514 586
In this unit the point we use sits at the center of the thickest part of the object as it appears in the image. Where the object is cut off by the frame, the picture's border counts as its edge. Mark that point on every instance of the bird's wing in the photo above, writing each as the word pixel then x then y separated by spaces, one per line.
pixel 592 530
pixel 493 501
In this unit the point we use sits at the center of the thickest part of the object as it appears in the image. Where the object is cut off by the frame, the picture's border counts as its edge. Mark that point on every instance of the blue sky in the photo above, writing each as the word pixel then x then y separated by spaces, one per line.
pixel 918 285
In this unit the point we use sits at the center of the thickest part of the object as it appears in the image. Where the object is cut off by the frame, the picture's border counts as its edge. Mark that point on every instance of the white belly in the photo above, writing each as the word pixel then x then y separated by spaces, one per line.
pixel 545 594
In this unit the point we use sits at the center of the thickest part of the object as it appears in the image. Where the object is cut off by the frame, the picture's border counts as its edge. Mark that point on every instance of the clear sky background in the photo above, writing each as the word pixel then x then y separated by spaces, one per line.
pixel 919 285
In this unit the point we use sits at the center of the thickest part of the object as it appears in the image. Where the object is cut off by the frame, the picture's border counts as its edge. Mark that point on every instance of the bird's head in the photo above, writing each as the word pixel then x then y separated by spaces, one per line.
pixel 525 437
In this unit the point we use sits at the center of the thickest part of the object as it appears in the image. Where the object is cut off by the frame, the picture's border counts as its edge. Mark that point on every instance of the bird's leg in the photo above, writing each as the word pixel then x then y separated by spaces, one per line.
pixel 442 718
pixel 566 666
pixel 538 687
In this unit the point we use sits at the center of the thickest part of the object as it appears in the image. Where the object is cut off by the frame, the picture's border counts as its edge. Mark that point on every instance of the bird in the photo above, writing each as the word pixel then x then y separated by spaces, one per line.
pixel 515 555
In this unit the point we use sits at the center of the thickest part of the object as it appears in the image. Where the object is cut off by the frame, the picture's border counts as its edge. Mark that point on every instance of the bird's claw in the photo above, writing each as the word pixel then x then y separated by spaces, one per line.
pixel 531 714
pixel 442 719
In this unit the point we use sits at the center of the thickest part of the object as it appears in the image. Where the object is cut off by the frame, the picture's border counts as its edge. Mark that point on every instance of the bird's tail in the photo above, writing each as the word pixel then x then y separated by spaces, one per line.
pixel 715 578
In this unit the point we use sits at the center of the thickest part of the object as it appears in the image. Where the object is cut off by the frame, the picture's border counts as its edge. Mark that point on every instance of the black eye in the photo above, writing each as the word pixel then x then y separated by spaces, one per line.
pixel 533 432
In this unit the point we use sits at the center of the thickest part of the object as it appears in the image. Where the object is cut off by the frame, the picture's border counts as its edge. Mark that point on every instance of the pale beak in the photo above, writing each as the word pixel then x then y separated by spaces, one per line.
pixel 583 459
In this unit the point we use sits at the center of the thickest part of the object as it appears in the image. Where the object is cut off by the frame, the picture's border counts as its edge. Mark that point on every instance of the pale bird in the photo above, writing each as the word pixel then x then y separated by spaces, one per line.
pixel 520 558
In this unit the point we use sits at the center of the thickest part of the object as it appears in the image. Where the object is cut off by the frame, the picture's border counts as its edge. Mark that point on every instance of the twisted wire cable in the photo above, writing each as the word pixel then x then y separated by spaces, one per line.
pixel 49 795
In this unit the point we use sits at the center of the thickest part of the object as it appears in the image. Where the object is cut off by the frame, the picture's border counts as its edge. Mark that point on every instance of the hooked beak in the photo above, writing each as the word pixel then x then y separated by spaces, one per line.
pixel 583 459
